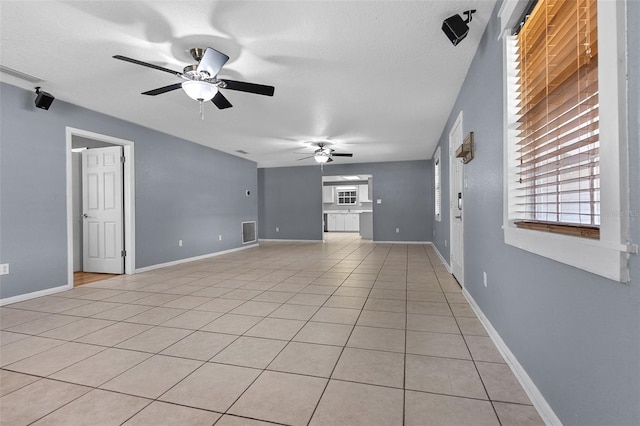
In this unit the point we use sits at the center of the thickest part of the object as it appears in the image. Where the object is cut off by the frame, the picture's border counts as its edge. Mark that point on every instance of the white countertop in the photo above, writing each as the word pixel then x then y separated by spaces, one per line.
pixel 346 212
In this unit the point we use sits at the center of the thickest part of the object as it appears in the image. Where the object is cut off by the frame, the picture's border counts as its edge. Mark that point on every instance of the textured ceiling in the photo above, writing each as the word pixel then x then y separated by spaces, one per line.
pixel 376 78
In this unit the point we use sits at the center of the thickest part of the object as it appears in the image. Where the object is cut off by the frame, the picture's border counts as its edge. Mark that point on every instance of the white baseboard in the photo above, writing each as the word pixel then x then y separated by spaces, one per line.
pixel 27 296
pixel 320 241
pixel 277 240
pixel 444 262
pixel 192 259
pixel 402 242
pixel 532 391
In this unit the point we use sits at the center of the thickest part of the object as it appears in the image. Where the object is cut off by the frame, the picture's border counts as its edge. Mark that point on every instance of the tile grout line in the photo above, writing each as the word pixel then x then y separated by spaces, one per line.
pixel 348 337
pixel 475 366
pixel 265 368
pixel 255 264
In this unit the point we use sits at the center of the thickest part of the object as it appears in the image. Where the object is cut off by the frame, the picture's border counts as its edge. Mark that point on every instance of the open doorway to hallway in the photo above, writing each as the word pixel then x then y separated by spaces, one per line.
pixel 100 207
pixel 84 268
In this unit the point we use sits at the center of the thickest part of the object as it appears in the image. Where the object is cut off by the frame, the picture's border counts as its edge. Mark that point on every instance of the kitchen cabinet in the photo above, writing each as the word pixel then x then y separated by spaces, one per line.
pixel 363 193
pixel 351 222
pixel 331 222
pixel 328 194
pixel 348 222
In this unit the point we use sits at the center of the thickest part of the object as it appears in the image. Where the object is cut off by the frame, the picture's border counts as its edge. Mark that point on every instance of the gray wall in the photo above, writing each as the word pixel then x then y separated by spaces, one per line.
pixel 576 334
pixel 183 191
pixel 290 198
pixel 405 188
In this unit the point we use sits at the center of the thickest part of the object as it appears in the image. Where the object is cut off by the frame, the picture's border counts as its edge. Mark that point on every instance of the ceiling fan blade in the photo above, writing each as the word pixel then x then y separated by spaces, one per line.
pixel 220 101
pixel 329 160
pixel 335 154
pixel 304 158
pixel 146 64
pixel 212 61
pixel 258 89
pixel 162 90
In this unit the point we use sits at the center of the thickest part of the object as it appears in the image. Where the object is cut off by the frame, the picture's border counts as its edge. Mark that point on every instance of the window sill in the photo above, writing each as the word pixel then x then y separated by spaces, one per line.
pixel 574 230
pixel 605 259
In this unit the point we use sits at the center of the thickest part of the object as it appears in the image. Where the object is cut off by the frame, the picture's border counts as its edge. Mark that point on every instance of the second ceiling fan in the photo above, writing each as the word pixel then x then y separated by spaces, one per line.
pixel 201 82
pixel 324 153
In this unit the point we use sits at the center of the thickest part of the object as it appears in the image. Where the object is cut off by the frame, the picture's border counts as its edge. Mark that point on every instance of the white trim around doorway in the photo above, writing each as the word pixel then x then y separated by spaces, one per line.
pixel 452 198
pixel 129 199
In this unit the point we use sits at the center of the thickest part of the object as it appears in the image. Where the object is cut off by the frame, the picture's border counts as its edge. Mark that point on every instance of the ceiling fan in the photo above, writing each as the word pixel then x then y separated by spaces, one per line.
pixel 201 82
pixel 324 154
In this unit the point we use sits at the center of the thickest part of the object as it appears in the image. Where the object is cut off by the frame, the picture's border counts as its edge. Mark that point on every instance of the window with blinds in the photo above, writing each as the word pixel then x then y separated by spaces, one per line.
pixel 437 170
pixel 558 134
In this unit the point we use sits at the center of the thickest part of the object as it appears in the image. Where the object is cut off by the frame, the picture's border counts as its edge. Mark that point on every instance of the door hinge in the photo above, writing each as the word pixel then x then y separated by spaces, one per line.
pixel 124 253
pixel 123 159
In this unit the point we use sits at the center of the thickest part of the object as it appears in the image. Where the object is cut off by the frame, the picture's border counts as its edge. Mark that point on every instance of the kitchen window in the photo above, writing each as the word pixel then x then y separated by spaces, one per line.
pixel 347 196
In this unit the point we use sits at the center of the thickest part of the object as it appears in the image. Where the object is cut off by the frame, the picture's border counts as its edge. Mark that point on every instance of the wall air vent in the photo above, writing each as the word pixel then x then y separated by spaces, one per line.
pixel 248 232
pixel 19 74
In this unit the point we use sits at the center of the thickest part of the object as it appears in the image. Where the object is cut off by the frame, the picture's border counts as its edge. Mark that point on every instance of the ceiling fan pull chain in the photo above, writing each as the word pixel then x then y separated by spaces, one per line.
pixel 201 109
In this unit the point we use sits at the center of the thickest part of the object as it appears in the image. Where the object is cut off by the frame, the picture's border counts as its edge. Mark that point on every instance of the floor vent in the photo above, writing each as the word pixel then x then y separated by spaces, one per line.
pixel 248 232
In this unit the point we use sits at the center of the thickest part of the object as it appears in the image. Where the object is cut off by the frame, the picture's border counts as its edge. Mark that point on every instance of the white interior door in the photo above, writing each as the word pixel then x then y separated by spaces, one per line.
pixel 102 205
pixel 456 203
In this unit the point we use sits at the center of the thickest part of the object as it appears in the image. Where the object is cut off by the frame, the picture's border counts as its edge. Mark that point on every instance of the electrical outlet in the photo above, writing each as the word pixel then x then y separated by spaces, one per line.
pixel 484 278
pixel 277 229
pixel 179 243
pixel 397 230
pixel 4 269
pixel 219 237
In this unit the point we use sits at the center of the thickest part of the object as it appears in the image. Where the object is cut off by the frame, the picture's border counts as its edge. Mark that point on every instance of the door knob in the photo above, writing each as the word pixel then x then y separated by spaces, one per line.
pixel 458 217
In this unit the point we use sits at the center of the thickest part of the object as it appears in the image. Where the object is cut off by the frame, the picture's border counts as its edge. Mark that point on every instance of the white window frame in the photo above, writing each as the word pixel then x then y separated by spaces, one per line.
pixel 437 184
pixel 354 197
pixel 608 256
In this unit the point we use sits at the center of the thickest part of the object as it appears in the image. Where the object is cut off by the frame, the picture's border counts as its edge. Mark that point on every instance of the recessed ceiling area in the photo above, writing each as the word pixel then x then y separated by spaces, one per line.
pixel 375 78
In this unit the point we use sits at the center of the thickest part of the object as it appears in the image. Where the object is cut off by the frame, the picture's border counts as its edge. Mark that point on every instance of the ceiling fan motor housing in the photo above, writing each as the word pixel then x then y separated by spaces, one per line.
pixel 197 53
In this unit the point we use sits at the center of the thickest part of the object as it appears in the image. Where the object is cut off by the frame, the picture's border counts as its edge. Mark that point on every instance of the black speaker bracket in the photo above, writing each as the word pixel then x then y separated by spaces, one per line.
pixel 469 14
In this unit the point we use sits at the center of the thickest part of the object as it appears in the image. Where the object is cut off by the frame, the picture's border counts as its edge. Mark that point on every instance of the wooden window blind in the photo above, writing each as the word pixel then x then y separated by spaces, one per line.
pixel 558 136
pixel 437 184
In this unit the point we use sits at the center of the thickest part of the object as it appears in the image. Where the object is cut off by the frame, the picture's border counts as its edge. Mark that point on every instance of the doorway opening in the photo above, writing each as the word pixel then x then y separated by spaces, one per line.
pixel 347 205
pixel 77 272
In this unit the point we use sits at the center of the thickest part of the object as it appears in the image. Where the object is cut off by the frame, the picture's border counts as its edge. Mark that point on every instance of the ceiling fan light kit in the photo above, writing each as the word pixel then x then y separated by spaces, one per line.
pixel 322 158
pixel 199 90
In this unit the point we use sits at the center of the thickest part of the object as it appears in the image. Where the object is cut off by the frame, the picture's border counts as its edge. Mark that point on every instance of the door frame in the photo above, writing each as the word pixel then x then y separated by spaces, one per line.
pixel 369 176
pixel 453 195
pixel 128 193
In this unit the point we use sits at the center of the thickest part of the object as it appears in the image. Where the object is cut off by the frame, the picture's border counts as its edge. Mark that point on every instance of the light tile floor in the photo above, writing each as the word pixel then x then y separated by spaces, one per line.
pixel 342 333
